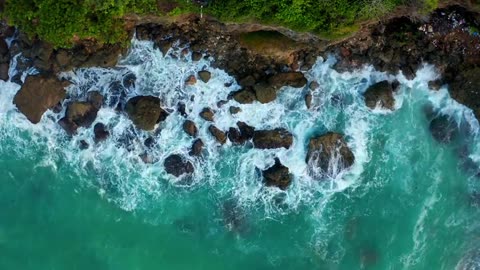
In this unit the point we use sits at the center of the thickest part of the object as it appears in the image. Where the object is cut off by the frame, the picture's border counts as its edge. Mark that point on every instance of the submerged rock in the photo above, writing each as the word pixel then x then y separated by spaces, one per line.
pixel 219 135
pixel 38 94
pixel 177 166
pixel 380 94
pixel 277 175
pixel 271 139
pixel 190 128
pixel 443 129
pixel 145 111
pixel 326 148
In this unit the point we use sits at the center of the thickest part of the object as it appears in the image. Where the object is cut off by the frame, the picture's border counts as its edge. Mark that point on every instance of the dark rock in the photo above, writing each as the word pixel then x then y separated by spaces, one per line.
pixel 265 93
pixel 443 129
pixel 435 85
pixel 221 103
pixel 219 135
pixel 466 89
pixel 380 93
pixel 293 79
pixel 182 109
pixel 95 98
pixel 204 76
pixel 149 142
pixel 235 136
pixel 83 114
pixel 314 85
pixel 145 111
pixel 245 96
pixel 277 176
pixel 197 148
pixel 146 158
pixel 190 128
pixel 101 133
pixel 234 110
pixel 245 130
pixel 324 148
pixel 69 127
pixel 4 71
pixel 83 145
pixel 129 80
pixel 207 114
pixel 271 139
pixel 38 94
pixel 196 56
pixel 177 166
pixel 248 81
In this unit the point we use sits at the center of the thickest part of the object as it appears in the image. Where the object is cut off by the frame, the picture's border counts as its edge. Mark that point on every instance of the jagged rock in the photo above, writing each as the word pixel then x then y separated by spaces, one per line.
pixel 246 131
pixel 204 76
pixel 145 111
pixel 101 132
pixel 207 114
pixel 380 93
pixel 277 176
pixel 324 148
pixel 149 142
pixel 234 110
pixel 69 127
pixel 443 129
pixel 177 166
pixel 190 128
pixel 271 139
pixel 234 136
pixel 245 96
pixel 466 89
pixel 38 94
pixel 219 135
pixel 197 148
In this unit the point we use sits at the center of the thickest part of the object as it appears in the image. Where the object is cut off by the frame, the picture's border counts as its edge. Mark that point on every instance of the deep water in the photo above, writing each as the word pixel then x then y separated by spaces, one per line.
pixel 409 202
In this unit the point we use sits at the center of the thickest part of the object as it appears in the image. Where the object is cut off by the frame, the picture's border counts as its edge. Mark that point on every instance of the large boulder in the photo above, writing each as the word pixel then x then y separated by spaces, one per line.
pixel 38 94
pixel 326 148
pixel 245 96
pixel 266 92
pixel 277 176
pixel 197 148
pixel 466 89
pixel 83 114
pixel 177 166
pixel 271 139
pixel 242 134
pixel 145 111
pixel 380 94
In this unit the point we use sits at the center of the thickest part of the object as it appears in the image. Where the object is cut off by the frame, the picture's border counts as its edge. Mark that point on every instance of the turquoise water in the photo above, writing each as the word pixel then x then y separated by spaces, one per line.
pixel 407 203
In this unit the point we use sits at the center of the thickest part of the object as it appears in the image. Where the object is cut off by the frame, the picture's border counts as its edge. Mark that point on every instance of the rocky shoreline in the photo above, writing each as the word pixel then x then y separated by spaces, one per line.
pixel 262 60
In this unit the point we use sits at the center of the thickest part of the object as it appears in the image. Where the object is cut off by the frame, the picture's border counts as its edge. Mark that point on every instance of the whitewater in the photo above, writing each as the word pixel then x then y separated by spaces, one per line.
pixel 408 202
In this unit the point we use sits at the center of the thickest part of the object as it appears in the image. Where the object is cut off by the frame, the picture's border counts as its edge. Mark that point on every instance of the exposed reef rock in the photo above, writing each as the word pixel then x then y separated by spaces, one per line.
pixel 328 148
pixel 271 139
pixel 277 175
pixel 177 166
pixel 145 111
pixel 380 94
pixel 38 94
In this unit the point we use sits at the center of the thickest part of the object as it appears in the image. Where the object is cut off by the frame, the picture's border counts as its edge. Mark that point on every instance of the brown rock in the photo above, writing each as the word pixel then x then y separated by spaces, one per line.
pixel 277 176
pixel 326 147
pixel 83 114
pixel 293 79
pixel 4 71
pixel 190 128
pixel 271 139
pixel 204 76
pixel 245 96
pixel 308 100
pixel 95 98
pixel 234 110
pixel 207 114
pixel 465 89
pixel 145 111
pixel 197 148
pixel 245 130
pixel 196 56
pixel 38 94
pixel 69 127
pixel 380 93
pixel 219 135
pixel 191 80
pixel 101 133
pixel 314 85
pixel 265 93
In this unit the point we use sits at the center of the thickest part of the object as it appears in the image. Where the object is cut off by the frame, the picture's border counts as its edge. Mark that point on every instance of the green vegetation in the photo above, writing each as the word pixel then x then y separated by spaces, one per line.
pixel 61 22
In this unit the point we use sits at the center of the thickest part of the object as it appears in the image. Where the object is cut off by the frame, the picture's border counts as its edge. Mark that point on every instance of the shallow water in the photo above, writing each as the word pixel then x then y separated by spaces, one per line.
pixel 409 202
